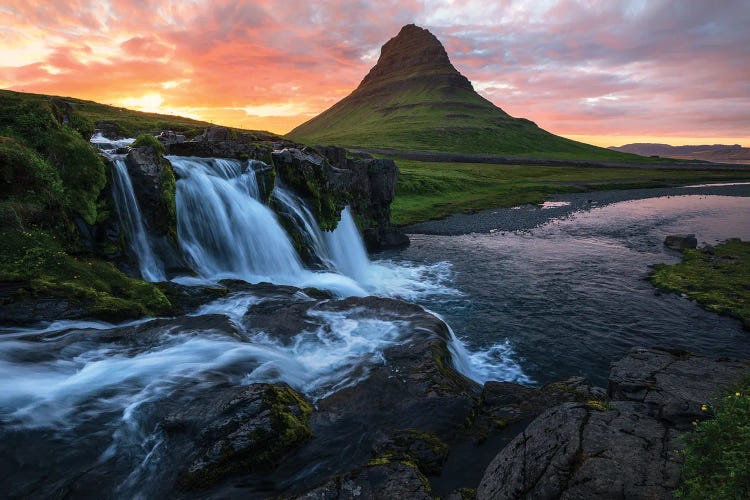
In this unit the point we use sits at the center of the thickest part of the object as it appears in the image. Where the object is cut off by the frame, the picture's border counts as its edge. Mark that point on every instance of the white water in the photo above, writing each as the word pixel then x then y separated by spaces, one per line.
pixel 131 218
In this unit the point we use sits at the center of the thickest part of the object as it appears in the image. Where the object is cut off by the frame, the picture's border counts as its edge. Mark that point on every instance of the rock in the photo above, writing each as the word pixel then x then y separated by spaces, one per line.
pixel 329 178
pixel 169 137
pixel 681 242
pixel 390 480
pixel 238 429
pixel 110 130
pixel 147 170
pixel 674 384
pixel 222 142
pixel 626 447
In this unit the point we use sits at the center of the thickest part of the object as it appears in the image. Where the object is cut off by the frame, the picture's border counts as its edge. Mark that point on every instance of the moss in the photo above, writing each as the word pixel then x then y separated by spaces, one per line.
pixel 289 416
pixel 452 381
pixel 149 140
pixel 468 493
pixel 717 277
pixel 597 405
pixel 39 259
pixel 431 440
pixel 168 197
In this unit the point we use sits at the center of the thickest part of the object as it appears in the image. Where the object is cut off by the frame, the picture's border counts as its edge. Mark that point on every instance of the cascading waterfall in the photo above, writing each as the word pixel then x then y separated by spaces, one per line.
pixel 226 232
pixel 131 218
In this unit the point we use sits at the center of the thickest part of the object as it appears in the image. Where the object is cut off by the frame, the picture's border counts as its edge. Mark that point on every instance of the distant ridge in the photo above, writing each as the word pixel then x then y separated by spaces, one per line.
pixel 415 99
pixel 712 152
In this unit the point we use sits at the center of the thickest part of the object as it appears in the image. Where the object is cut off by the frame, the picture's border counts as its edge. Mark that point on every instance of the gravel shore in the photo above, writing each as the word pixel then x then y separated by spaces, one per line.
pixel 558 206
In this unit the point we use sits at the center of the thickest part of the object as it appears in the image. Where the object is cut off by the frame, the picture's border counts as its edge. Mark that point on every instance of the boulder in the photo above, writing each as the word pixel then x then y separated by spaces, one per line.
pixel 624 447
pixel 169 137
pixel 389 480
pixel 681 242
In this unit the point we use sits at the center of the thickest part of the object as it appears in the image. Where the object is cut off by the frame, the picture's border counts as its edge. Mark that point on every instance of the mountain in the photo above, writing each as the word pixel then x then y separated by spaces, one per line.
pixel 710 152
pixel 415 99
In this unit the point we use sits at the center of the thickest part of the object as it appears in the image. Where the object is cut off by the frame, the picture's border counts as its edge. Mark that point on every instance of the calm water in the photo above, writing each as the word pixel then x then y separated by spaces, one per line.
pixel 571 296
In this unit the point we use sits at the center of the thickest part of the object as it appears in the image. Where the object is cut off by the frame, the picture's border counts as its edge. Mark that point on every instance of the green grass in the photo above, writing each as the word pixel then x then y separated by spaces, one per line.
pixel 429 190
pixel 417 114
pixel 717 278
pixel 717 453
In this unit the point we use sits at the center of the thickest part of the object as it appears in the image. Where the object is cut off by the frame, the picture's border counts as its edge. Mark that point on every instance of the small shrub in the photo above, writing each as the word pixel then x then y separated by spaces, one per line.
pixel 149 140
pixel 717 452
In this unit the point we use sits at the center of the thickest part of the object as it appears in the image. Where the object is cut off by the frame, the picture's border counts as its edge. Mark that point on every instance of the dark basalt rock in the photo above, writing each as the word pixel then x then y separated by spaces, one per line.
pixel 169 137
pixel 681 242
pixel 329 178
pixel 146 169
pixel 389 480
pixel 622 448
pixel 222 142
pixel 238 429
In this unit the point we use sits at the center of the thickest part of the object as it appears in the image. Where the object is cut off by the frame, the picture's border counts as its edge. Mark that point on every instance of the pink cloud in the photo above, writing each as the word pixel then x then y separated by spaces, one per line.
pixel 660 68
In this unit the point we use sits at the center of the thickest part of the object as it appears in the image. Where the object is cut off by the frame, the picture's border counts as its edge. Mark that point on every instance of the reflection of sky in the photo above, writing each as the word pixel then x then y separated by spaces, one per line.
pixel 571 296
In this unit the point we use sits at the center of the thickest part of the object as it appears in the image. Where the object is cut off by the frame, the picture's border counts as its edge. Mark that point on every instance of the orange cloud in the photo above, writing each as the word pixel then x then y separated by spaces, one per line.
pixel 624 69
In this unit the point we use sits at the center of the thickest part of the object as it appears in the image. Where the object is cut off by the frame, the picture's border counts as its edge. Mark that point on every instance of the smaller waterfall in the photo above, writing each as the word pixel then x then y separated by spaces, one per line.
pixel 296 209
pixel 127 207
pixel 347 249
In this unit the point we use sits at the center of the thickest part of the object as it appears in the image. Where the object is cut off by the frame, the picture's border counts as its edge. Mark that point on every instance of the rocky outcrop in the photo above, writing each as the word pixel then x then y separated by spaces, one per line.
pixel 154 183
pixel 223 142
pixel 237 429
pixel 329 178
pixel 169 137
pixel 681 242
pixel 624 447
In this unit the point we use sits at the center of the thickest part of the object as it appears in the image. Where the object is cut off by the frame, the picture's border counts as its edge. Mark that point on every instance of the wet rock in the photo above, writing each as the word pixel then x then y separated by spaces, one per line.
pixel 626 447
pixel 147 170
pixel 681 242
pixel 110 130
pixel 389 480
pixel 330 178
pixel 238 429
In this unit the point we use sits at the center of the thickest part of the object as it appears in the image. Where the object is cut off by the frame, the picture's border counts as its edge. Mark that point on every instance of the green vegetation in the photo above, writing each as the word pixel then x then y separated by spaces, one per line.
pixel 52 178
pixel 423 117
pixel 83 115
pixel 717 453
pixel 149 140
pixel 37 260
pixel 430 190
pixel 716 277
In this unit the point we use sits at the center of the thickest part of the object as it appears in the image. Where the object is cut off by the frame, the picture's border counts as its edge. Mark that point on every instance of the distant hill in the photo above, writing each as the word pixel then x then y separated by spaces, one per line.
pixel 713 152
pixel 415 99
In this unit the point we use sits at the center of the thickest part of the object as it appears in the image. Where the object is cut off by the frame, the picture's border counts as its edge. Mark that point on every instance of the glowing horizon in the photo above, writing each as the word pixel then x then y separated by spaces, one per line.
pixel 602 72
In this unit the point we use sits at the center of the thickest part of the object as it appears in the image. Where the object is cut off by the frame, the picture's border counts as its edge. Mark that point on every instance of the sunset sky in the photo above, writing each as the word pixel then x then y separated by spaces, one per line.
pixel 605 72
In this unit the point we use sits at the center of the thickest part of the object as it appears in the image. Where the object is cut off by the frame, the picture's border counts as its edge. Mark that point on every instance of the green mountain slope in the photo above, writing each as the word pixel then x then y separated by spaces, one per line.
pixel 414 99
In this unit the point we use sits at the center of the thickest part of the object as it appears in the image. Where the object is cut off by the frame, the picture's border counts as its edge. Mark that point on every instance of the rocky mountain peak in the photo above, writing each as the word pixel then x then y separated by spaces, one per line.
pixel 413 52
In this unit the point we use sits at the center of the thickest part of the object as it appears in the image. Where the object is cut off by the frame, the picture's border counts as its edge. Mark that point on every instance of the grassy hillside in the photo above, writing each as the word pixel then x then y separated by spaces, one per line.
pixel 428 190
pixel 423 118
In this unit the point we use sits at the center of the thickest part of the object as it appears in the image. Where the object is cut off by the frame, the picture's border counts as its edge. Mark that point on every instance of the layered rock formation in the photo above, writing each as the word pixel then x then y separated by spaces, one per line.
pixel 623 447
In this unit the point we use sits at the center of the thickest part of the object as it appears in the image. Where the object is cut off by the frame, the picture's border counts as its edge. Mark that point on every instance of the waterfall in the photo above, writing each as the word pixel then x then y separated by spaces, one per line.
pixel 298 212
pixel 347 249
pixel 226 232
pixel 131 218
